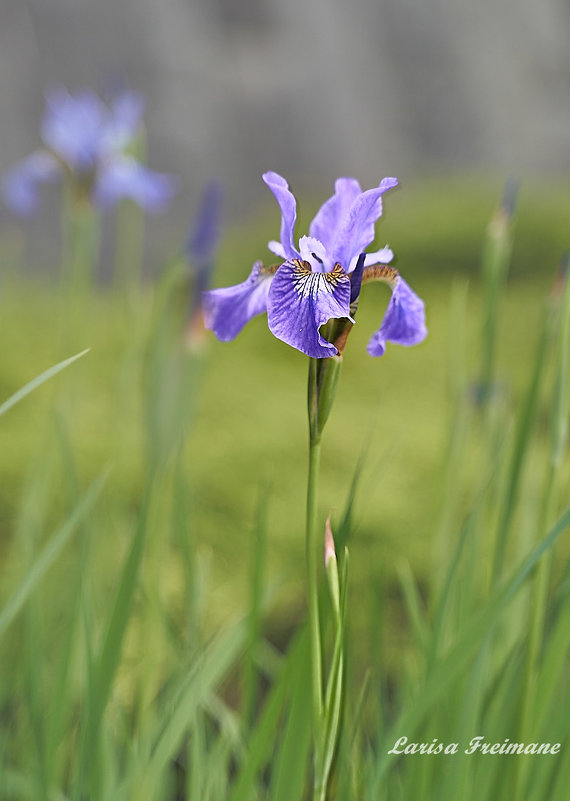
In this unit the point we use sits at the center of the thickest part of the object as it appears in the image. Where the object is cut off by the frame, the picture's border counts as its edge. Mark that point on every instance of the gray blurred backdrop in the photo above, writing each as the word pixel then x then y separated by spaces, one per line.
pixel 311 89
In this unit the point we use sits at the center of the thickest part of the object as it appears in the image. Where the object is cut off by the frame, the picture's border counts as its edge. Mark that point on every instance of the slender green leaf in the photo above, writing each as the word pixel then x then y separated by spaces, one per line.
pixel 48 555
pixel 39 380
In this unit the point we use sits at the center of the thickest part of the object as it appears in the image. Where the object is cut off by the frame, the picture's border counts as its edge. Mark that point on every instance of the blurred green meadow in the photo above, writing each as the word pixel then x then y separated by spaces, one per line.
pixel 154 651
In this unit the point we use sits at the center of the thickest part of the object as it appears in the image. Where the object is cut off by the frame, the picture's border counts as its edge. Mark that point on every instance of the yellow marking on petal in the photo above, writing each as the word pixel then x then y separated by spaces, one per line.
pixel 269 270
pixel 381 272
pixel 309 282
pixel 335 276
pixel 302 268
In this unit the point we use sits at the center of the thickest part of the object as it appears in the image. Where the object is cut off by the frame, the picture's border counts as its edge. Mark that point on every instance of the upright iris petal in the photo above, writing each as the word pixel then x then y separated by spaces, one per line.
pixel 356 231
pixel 288 206
pixel 73 126
pixel 334 210
pixel 300 301
pixel 404 320
pixel 126 116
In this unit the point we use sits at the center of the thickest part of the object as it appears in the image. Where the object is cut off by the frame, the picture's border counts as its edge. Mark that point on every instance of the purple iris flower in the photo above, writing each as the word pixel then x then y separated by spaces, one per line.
pixel 88 139
pixel 320 280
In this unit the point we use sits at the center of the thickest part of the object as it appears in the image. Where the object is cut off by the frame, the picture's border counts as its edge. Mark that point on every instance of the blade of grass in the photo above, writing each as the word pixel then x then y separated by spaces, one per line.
pixel 290 765
pixel 38 381
pixel 256 584
pixel 520 451
pixel 106 665
pixel 48 555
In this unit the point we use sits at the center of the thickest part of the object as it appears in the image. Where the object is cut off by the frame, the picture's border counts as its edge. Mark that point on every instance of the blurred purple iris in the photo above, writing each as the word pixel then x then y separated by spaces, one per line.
pixel 89 140
pixel 321 279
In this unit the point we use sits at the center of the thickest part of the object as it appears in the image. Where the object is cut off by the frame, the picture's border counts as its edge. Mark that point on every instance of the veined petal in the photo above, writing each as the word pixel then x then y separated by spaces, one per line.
pixel 300 301
pixel 333 211
pixel 227 310
pixel 20 186
pixel 288 206
pixel 356 230
pixel 124 177
pixel 404 322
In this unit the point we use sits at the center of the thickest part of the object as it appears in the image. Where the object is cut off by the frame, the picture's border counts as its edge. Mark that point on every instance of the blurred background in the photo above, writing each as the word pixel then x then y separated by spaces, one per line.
pixel 309 89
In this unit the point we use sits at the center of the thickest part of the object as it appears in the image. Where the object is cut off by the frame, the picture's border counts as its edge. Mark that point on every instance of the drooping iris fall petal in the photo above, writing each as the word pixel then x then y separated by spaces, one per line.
pixel 21 184
pixel 404 320
pixel 301 300
pixel 227 310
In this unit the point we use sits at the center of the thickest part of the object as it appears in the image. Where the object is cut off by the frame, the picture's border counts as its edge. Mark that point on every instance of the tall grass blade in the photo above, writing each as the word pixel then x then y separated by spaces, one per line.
pixel 48 555
pixel 38 381
pixel 290 765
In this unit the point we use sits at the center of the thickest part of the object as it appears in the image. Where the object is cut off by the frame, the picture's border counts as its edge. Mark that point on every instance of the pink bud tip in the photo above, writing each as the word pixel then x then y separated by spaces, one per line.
pixel 330 552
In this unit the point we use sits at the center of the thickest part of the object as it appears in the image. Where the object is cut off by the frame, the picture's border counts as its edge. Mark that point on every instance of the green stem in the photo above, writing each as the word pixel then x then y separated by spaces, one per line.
pixel 311 552
pixel 80 241
pixel 129 245
pixel 312 547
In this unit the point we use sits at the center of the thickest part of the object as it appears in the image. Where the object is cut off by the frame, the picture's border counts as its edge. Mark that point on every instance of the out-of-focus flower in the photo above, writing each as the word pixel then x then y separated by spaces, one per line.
pixel 89 140
pixel 204 235
pixel 321 279
pixel 199 250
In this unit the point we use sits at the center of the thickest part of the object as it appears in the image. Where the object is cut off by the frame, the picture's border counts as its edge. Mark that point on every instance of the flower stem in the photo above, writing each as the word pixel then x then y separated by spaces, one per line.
pixel 80 241
pixel 312 548
pixel 312 545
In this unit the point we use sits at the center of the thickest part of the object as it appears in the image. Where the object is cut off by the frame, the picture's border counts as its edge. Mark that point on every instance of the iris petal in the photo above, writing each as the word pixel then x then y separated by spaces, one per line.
pixel 123 178
pixel 125 117
pixel 277 249
pixel 227 310
pixel 300 301
pixel 334 210
pixel 404 321
pixel 20 186
pixel 288 206
pixel 356 230
pixel 74 127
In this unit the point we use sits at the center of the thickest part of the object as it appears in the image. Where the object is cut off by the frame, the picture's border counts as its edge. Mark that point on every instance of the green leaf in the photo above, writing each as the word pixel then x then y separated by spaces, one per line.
pixel 291 761
pixel 48 555
pixel 39 380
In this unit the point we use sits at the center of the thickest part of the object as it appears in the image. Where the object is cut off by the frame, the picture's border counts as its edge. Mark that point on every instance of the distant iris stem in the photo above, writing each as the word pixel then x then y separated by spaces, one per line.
pixel 80 237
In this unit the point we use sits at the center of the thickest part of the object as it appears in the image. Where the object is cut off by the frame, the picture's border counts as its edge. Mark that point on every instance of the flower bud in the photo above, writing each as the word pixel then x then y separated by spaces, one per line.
pixel 331 567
